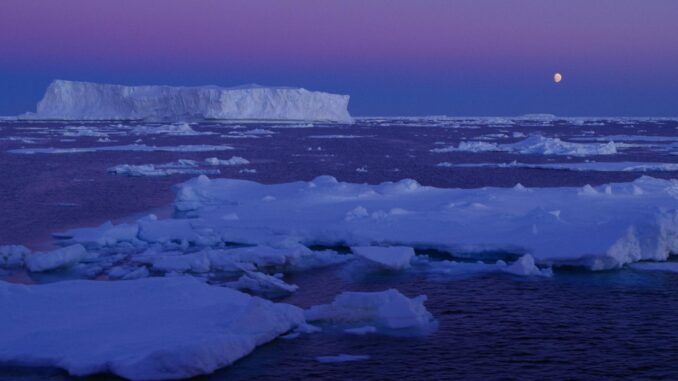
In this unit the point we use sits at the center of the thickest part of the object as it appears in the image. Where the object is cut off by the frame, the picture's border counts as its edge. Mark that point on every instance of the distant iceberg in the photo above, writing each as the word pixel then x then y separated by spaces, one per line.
pixel 69 100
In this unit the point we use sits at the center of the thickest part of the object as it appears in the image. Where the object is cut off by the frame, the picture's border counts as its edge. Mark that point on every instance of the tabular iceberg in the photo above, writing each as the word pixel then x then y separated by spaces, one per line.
pixel 70 100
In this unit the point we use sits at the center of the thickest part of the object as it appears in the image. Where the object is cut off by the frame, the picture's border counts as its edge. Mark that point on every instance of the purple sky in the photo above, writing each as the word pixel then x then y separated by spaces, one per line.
pixel 481 57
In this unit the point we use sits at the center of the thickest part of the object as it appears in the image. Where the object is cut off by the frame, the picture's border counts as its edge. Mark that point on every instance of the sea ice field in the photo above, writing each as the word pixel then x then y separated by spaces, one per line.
pixel 524 248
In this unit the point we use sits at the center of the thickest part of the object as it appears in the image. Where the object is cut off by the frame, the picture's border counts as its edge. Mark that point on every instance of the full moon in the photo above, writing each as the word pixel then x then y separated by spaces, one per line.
pixel 557 77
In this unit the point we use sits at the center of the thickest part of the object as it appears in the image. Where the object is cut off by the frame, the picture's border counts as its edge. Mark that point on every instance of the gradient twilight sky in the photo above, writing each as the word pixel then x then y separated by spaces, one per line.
pixel 394 57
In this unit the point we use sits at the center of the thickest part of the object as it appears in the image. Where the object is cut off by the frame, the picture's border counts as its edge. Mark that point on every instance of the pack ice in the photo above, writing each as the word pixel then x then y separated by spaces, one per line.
pixel 596 227
pixel 66 100
pixel 148 329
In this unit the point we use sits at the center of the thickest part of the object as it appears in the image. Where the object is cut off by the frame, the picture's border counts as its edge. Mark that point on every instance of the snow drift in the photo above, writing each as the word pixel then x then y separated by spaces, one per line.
pixel 66 100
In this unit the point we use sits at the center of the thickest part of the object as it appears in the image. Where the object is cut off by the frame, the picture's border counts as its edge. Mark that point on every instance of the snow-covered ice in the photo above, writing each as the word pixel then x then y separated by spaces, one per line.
pixel 181 167
pixel 631 221
pixel 263 284
pixel 392 258
pixel 536 145
pixel 72 100
pixel 386 310
pixel 235 160
pixel 611 166
pixel 148 329
pixel 63 257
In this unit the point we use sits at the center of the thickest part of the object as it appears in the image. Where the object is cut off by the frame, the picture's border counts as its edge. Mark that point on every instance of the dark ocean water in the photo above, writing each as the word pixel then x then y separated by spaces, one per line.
pixel 576 325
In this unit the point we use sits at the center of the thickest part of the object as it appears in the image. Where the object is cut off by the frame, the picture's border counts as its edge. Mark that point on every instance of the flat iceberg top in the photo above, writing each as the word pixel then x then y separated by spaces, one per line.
pixel 70 100
pixel 149 329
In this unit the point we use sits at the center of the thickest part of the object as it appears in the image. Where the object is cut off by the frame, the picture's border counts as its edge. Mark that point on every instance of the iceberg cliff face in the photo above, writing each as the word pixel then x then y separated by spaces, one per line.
pixel 94 101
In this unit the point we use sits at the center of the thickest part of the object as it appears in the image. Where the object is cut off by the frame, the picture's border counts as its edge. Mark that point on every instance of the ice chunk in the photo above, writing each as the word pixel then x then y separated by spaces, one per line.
pixel 393 258
pixel 93 101
pixel 536 145
pixel 263 284
pixel 147 329
pixel 540 145
pixel 160 170
pixel 525 266
pixel 13 256
pixel 103 235
pixel 235 160
pixel 613 166
pixel 63 257
pixel 181 129
pixel 385 309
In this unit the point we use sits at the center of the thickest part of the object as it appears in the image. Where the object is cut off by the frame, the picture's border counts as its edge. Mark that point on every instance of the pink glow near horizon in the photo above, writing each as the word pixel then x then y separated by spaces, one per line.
pixel 353 33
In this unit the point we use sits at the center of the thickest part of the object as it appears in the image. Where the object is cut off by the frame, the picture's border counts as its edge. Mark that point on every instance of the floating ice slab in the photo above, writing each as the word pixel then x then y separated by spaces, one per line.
pixel 64 257
pixel 181 167
pixel 263 284
pixel 386 309
pixel 392 258
pixel 446 269
pixel 148 329
pixel 613 166
pixel 623 222
pixel 235 160
pixel 536 145
pixel 66 100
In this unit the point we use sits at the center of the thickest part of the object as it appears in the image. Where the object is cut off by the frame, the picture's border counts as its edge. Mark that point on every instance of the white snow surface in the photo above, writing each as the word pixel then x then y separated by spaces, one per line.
pixel 148 329
pixel 71 100
pixel 623 222
pixel 386 309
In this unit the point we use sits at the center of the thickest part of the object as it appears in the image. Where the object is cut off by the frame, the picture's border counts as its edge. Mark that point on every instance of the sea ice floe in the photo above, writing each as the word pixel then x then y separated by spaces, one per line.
pixel 180 129
pixel 388 310
pixel 612 166
pixel 392 258
pixel 181 167
pixel 631 221
pixel 338 136
pixel 235 160
pixel 536 145
pixel 263 284
pixel 275 225
pixel 447 269
pixel 147 329
pixel 63 257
